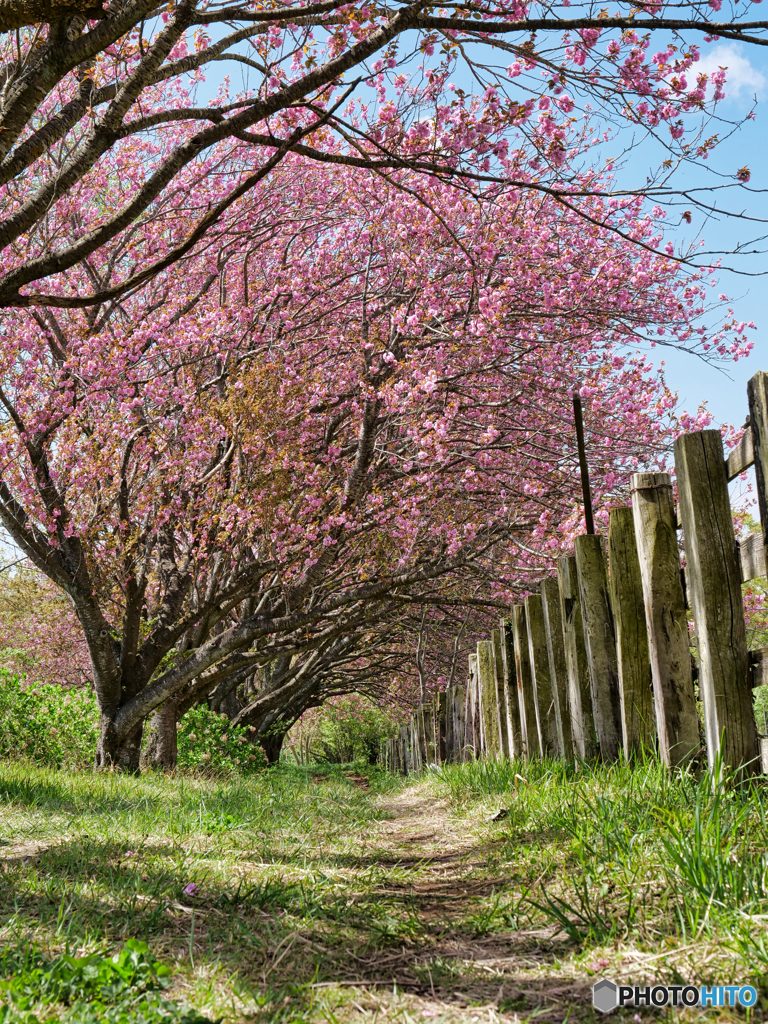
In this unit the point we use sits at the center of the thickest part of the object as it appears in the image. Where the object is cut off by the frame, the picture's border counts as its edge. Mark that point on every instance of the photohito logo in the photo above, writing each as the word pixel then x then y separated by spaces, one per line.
pixel 607 995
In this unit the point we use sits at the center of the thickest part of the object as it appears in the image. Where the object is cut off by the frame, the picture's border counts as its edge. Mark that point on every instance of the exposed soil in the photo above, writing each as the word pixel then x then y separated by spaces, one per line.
pixel 452 971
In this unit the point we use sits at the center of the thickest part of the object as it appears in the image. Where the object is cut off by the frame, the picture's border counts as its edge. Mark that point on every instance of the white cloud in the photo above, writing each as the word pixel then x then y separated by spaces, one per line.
pixel 742 76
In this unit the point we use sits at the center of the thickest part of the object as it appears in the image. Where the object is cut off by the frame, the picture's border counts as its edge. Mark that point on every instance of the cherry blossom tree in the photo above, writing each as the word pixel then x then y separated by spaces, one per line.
pixel 354 397
pixel 87 87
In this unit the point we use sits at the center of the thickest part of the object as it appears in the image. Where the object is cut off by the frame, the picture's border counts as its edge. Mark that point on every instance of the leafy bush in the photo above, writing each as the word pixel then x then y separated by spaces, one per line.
pixel 95 989
pixel 46 723
pixel 59 728
pixel 346 729
pixel 208 741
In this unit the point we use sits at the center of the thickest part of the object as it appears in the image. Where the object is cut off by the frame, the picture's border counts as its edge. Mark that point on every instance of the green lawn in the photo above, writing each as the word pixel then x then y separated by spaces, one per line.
pixel 323 895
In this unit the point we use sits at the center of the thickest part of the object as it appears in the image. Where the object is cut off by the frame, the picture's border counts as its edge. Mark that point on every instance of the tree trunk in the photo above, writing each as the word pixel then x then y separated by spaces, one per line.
pixel 161 748
pixel 111 752
pixel 272 744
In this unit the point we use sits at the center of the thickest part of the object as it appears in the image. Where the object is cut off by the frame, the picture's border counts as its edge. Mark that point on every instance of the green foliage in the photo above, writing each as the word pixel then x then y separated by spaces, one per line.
pixel 59 728
pixel 630 855
pixel 207 741
pixel 96 989
pixel 46 723
pixel 350 728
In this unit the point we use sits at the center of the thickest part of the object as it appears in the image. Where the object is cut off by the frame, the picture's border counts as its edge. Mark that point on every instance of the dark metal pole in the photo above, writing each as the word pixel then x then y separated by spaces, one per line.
pixel 577 415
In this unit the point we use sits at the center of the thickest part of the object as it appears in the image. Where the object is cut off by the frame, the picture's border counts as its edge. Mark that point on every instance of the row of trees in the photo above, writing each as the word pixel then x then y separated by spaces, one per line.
pixel 286 378
pixel 253 485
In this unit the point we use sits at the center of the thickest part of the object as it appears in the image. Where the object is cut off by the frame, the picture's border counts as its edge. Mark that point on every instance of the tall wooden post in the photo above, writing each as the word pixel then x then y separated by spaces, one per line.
pixel 576 661
pixel 543 700
pixel 439 706
pixel 473 738
pixel 677 721
pixel 714 580
pixel 510 685
pixel 528 731
pixel 449 739
pixel 637 721
pixel 600 640
pixel 428 726
pixel 558 672
pixel 420 740
pixel 502 698
pixel 459 725
pixel 408 760
pixel 490 704
pixel 757 394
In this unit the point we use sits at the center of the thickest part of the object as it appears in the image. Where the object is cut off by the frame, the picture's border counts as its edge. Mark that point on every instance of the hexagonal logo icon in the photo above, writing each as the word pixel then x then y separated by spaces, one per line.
pixel 605 995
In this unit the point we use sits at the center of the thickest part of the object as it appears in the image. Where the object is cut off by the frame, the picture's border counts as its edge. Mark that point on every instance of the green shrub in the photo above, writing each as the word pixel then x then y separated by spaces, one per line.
pixel 207 741
pixel 59 728
pixel 349 728
pixel 46 723
pixel 95 989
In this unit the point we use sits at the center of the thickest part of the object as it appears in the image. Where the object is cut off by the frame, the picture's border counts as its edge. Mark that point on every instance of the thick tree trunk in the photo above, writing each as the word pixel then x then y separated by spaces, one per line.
pixel 116 754
pixel 161 747
pixel 107 746
pixel 272 744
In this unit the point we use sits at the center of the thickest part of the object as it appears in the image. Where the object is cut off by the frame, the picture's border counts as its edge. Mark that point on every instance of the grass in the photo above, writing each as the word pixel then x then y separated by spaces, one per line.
pixel 649 876
pixel 343 894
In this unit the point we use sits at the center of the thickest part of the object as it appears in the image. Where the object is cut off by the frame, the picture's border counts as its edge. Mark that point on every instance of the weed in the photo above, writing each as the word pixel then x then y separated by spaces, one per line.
pixel 94 988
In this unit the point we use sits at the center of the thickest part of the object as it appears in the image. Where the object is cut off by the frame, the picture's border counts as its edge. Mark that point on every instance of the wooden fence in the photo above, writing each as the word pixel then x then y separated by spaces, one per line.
pixel 599 659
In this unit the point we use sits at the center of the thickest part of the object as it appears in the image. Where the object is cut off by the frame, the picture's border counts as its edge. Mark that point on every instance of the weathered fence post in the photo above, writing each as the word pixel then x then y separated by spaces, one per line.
pixel 418 738
pixel 447 741
pixel 489 701
pixel 421 724
pixel 510 686
pixel 428 729
pixel 525 702
pixel 558 672
pixel 638 727
pixel 757 394
pixel 543 699
pixel 600 639
pixel 677 721
pixel 404 752
pixel 502 695
pixel 439 705
pixel 458 724
pixel 576 661
pixel 473 740
pixel 714 579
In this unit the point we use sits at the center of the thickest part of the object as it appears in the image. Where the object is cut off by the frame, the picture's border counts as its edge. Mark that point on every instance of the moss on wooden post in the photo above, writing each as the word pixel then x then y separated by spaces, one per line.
pixel 600 641
pixel 428 733
pixel 714 581
pixel 757 395
pixel 510 683
pixel 677 720
pixel 558 672
pixel 528 732
pixel 633 658
pixel 489 700
pixel 502 698
pixel 459 725
pixel 543 700
pixel 576 661
pixel 473 740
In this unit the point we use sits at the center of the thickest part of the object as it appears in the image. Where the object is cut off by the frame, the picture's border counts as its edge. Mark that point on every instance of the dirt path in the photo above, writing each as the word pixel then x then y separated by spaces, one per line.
pixel 465 960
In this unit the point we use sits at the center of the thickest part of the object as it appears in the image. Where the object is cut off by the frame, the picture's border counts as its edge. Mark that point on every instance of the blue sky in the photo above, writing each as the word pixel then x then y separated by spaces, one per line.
pixel 725 389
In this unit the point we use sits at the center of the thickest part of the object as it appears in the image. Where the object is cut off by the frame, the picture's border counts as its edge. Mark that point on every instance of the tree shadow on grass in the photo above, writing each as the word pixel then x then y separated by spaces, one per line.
pixel 414 938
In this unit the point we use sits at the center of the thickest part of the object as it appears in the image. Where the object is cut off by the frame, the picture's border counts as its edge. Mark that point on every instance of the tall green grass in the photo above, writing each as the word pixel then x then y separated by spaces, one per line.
pixel 636 855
